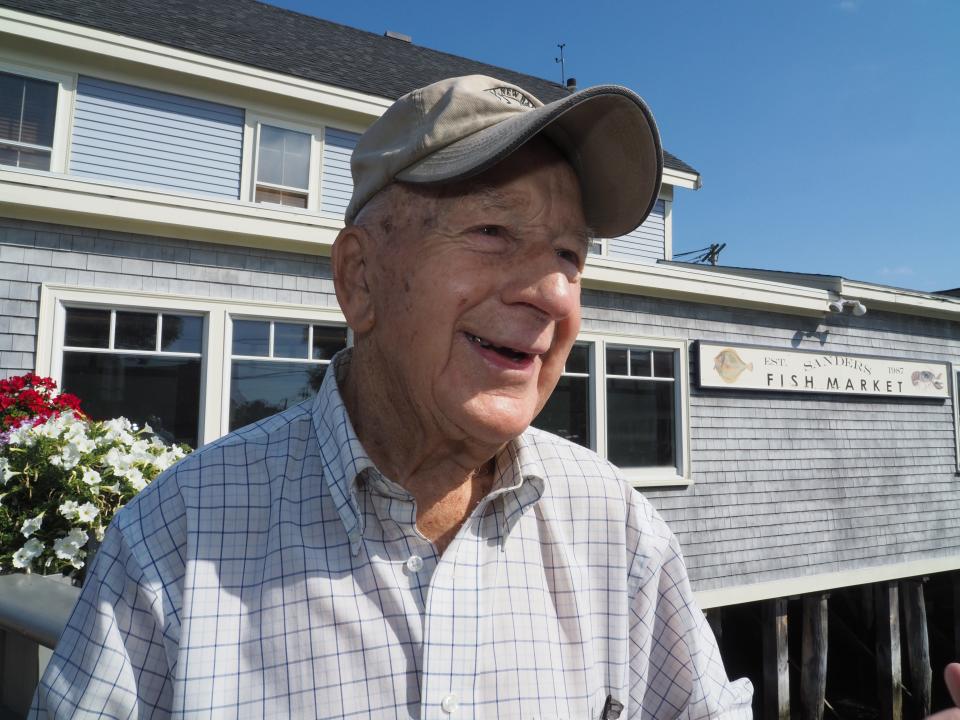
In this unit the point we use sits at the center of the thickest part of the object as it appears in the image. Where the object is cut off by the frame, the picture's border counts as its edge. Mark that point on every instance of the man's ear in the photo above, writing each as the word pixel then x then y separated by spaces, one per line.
pixel 351 277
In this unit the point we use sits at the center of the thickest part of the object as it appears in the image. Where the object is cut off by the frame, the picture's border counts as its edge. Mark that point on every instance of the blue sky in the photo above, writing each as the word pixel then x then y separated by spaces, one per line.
pixel 827 132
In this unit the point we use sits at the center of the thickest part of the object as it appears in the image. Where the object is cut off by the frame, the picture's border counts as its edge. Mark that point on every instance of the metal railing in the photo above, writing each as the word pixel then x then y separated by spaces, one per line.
pixel 33 612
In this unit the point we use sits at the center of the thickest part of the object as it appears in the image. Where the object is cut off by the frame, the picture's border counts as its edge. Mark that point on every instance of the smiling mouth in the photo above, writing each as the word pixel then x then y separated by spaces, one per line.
pixel 507 352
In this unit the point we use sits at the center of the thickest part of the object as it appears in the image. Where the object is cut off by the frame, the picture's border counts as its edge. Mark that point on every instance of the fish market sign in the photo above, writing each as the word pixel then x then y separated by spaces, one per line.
pixel 754 368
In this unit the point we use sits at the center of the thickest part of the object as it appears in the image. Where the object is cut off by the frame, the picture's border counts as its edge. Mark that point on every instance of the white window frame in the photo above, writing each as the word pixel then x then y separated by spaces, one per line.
pixel 641 476
pixel 955 391
pixel 63 117
pixel 216 346
pixel 251 141
pixel 229 357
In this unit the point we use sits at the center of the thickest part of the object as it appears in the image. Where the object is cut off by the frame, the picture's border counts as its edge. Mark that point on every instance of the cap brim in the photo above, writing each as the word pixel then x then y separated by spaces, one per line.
pixel 608 135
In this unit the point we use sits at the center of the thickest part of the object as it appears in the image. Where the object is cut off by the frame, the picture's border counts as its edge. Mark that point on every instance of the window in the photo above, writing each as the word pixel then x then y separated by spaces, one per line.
pixel 627 401
pixel 956 410
pixel 193 368
pixel 597 246
pixel 28 110
pixel 283 167
pixel 275 365
pixel 143 365
pixel 567 412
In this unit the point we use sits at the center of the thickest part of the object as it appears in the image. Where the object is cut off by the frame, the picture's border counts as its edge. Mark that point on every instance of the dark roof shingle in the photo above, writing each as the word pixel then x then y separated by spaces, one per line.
pixel 272 38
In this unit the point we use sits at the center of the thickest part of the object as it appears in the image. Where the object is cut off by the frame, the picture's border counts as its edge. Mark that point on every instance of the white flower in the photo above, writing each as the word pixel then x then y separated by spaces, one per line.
pixel 69 509
pixel 31 525
pixel 5 472
pixel 118 429
pixel 68 458
pixel 68 546
pixel 22 435
pixel 117 461
pixel 136 479
pixel 23 557
pixel 139 451
pixel 52 428
pixel 87 512
pixel 91 476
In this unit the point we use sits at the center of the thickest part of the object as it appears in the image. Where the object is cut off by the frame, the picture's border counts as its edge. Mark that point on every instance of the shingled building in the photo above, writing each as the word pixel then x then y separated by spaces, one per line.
pixel 172 176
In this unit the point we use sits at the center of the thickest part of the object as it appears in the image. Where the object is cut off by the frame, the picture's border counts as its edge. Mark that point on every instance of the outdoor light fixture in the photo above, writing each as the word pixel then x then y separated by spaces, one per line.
pixel 855 307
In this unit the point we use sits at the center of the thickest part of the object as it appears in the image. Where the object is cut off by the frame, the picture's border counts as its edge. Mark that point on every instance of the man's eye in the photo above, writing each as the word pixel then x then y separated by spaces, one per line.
pixel 570 256
pixel 491 230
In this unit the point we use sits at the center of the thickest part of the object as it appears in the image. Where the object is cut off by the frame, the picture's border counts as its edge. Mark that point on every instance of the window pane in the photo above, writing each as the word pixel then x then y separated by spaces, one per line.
pixel 259 389
pixel 283 157
pixel 640 363
pixel 251 337
pixel 641 423
pixel 39 112
pixel 135 331
pixel 28 109
pixel 164 392
pixel 328 341
pixel 567 412
pixel 290 340
pixel 87 328
pixel 11 103
pixel 9 156
pixel 280 197
pixel 663 363
pixel 25 158
pixel 579 359
pixel 616 361
pixel 270 157
pixel 182 333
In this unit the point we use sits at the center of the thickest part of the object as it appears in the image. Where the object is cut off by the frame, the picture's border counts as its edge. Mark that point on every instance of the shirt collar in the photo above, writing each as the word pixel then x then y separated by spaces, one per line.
pixel 344 458
pixel 519 473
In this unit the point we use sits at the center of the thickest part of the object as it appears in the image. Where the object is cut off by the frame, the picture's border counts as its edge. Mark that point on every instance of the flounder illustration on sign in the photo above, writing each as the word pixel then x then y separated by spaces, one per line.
pixel 926 379
pixel 729 365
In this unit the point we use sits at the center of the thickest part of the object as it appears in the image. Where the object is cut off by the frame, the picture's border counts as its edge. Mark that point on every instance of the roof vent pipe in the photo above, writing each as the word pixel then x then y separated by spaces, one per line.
pixel 397 36
pixel 572 84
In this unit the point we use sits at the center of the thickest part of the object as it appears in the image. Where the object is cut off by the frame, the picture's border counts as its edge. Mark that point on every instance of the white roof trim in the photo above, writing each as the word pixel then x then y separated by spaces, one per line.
pixel 125 48
pixel 679 178
pixel 703 286
pixel 802 584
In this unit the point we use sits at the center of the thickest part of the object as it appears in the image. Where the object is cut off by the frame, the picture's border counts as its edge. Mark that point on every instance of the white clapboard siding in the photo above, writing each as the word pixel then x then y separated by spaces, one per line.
pixel 137 136
pixel 336 184
pixel 643 245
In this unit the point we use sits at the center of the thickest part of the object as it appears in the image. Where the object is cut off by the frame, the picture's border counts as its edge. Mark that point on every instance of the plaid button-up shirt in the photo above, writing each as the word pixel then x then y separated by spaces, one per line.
pixel 277 573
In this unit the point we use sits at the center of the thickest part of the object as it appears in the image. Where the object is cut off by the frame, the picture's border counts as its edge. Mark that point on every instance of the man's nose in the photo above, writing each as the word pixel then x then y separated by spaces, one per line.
pixel 545 282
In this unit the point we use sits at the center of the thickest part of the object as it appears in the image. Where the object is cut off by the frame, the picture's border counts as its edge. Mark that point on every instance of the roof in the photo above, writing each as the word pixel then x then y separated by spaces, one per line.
pixel 283 41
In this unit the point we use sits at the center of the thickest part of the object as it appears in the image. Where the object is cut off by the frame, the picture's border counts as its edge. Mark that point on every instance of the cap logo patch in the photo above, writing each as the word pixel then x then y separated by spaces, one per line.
pixel 510 96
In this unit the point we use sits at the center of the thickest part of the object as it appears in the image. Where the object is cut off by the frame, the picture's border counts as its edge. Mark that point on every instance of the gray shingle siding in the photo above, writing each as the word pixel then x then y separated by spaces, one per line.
pixel 31 253
pixel 787 484
pixel 784 484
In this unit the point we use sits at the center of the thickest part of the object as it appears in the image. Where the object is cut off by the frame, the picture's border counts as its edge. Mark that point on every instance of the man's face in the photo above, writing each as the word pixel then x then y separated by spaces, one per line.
pixel 477 299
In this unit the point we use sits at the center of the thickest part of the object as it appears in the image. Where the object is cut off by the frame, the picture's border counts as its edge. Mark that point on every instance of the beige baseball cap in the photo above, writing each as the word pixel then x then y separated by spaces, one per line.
pixel 457 128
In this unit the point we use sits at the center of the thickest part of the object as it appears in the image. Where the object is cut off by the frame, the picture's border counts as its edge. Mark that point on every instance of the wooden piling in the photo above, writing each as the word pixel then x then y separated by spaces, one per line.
pixel 813 670
pixel 918 643
pixel 887 613
pixel 776 658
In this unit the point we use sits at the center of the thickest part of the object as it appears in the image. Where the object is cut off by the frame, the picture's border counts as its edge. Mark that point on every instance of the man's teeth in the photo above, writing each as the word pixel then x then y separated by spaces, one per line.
pixel 508 352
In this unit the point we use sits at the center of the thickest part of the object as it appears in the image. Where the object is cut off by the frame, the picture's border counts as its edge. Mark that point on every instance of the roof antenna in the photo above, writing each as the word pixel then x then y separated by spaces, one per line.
pixel 563 72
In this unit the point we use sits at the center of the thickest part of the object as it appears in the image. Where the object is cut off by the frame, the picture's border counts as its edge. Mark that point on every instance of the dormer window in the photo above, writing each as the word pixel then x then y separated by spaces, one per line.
pixel 283 167
pixel 28 109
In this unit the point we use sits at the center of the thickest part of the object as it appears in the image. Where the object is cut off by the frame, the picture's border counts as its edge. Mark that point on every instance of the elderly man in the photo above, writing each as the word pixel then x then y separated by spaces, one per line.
pixel 404 546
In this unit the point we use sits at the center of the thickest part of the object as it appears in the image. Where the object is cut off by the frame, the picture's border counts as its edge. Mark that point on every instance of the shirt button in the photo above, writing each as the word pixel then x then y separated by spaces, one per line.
pixel 449 703
pixel 414 565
